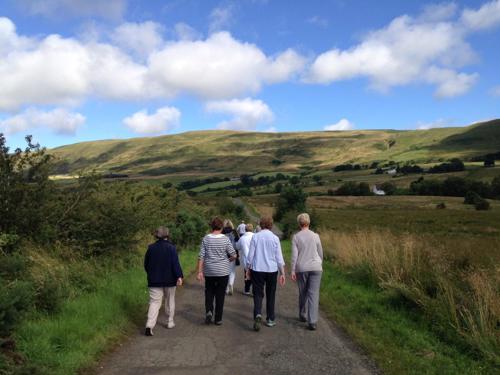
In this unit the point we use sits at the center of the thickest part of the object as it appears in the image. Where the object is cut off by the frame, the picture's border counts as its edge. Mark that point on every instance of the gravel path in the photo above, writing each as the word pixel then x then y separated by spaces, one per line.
pixel 234 348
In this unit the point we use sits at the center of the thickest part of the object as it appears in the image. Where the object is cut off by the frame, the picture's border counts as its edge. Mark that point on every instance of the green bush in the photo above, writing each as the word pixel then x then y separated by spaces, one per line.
pixel 16 297
pixel 482 205
pixel 291 198
pixel 188 229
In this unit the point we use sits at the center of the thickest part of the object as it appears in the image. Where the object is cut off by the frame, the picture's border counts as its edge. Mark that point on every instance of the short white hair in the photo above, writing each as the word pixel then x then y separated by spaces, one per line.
pixel 303 220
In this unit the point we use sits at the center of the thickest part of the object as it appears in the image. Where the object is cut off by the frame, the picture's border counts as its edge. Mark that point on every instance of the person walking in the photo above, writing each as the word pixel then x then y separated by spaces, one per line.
pixel 243 246
pixel 241 228
pixel 229 231
pixel 164 273
pixel 216 255
pixel 265 260
pixel 306 269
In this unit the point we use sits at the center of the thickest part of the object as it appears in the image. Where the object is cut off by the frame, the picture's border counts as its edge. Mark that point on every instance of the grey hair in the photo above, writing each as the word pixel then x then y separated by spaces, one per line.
pixel 162 232
pixel 303 220
pixel 249 227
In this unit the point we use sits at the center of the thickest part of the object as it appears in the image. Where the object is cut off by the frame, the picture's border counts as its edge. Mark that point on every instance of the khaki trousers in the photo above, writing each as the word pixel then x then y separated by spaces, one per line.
pixel 155 297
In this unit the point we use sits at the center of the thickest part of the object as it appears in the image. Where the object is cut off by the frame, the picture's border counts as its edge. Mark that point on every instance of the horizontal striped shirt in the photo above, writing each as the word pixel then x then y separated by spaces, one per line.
pixel 215 251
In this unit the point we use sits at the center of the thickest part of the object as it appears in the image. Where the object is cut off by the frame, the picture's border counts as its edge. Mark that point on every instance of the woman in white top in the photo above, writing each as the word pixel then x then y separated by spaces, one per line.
pixel 243 246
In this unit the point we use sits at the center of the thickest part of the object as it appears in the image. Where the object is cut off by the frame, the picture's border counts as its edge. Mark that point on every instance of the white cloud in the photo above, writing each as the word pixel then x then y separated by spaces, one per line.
pixel 495 91
pixel 271 129
pixel 139 38
pixel 111 9
pixel 185 32
pixel 53 70
pixel 438 12
pixel 59 120
pixel 219 67
pixel 485 17
pixel 440 123
pixel 159 122
pixel 220 18
pixel 408 50
pixel 318 21
pixel 247 113
pixel 342 125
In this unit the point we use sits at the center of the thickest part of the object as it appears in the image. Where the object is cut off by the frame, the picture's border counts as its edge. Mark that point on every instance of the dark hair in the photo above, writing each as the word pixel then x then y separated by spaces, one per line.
pixel 266 222
pixel 216 223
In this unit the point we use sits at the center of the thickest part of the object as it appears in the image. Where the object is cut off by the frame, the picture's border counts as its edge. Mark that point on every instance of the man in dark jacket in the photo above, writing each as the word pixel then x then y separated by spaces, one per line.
pixel 164 274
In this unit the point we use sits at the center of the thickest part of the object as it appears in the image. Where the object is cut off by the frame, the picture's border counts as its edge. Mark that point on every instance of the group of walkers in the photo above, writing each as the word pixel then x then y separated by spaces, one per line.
pixel 221 251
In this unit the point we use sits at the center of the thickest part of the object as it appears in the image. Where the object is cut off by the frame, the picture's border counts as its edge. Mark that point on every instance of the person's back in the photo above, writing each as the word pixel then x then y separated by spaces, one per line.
pixel 162 265
pixel 164 273
pixel 265 252
pixel 308 253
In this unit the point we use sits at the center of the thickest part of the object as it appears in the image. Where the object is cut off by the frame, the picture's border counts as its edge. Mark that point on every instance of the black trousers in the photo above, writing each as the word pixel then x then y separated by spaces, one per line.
pixel 215 287
pixel 259 281
pixel 248 284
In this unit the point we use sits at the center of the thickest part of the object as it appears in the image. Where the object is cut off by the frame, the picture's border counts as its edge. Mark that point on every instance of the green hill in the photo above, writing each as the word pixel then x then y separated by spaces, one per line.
pixel 232 153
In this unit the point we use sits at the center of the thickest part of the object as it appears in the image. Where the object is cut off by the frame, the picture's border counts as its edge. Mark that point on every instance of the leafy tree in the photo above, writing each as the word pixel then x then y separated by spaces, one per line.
pixel 388 187
pixel 291 199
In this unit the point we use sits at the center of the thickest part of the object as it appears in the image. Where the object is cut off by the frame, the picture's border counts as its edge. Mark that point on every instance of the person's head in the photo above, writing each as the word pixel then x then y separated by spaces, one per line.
pixel 303 220
pixel 216 223
pixel 228 224
pixel 266 222
pixel 249 227
pixel 162 233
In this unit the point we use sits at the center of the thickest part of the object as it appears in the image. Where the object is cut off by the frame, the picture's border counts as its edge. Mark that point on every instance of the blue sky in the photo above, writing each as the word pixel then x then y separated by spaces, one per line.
pixel 77 70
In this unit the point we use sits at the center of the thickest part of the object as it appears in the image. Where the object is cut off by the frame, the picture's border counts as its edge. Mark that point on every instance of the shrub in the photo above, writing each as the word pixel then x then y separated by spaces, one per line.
pixel 16 297
pixel 352 188
pixel 455 165
pixel 441 206
pixel 388 187
pixel 188 228
pixel 291 199
pixel 471 197
pixel 482 204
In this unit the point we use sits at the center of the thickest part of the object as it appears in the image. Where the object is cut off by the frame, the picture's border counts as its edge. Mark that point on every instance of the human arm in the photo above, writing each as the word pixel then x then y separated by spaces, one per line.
pixel 319 248
pixel 231 252
pixel 177 267
pixel 146 260
pixel 295 254
pixel 281 263
pixel 201 257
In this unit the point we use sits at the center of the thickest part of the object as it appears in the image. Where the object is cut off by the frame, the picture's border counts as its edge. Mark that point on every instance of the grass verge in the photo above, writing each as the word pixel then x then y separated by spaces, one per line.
pixel 89 324
pixel 395 336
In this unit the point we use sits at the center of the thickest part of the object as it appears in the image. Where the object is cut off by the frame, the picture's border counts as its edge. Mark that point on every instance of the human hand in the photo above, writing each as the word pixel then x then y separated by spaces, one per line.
pixel 247 275
pixel 282 280
pixel 179 281
pixel 294 276
pixel 199 276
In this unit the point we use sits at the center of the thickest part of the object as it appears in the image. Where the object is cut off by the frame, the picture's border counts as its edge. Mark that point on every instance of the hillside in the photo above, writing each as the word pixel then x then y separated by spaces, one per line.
pixel 230 152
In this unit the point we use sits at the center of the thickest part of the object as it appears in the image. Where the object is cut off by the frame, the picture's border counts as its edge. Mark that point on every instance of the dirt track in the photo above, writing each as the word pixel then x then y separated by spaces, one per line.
pixel 234 348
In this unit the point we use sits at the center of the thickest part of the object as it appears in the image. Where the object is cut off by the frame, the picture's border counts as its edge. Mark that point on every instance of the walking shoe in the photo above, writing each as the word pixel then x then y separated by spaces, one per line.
pixel 170 325
pixel 208 318
pixel 247 293
pixel 257 322
pixel 302 319
pixel 148 331
pixel 270 323
pixel 311 327
pixel 229 290
pixel 218 323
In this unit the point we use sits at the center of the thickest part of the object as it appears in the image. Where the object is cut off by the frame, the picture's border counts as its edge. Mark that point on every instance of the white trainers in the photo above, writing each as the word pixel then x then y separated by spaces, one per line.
pixel 170 325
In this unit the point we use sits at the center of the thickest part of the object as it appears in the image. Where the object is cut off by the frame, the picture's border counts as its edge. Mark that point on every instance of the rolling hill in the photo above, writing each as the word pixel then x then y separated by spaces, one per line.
pixel 204 153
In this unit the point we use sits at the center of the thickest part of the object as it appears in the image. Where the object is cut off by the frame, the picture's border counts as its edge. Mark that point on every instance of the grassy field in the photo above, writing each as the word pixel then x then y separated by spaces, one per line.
pixel 399 339
pixel 90 324
pixel 205 153
pixel 417 287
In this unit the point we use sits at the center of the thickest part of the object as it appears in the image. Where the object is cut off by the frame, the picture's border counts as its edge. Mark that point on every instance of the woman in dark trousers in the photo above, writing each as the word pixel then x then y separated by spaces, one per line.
pixel 216 255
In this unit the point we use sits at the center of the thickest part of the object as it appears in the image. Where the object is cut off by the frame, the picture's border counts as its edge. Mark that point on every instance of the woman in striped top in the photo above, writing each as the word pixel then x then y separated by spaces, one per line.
pixel 216 255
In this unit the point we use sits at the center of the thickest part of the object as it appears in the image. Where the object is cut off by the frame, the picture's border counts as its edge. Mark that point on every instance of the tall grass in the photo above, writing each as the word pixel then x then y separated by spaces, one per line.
pixel 460 295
